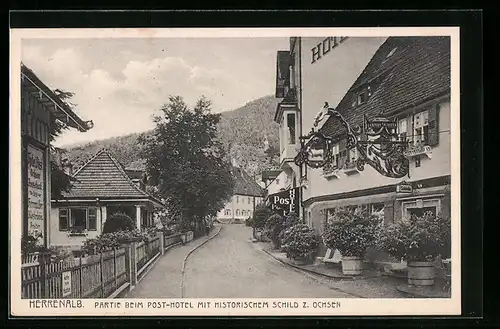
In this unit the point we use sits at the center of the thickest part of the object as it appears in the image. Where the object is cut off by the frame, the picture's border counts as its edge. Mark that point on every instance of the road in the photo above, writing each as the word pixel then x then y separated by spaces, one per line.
pixel 230 266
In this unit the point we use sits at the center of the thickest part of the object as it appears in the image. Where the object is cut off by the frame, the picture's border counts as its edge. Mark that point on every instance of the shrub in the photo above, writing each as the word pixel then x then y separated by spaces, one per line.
pixel 260 216
pixel 29 244
pixel 299 241
pixel 352 232
pixel 290 220
pixel 274 226
pixel 109 241
pixel 418 238
pixel 118 222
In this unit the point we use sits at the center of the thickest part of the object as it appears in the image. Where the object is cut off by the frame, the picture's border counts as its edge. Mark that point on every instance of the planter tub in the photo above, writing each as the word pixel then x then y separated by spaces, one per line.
pixel 352 265
pixel 301 261
pixel 421 273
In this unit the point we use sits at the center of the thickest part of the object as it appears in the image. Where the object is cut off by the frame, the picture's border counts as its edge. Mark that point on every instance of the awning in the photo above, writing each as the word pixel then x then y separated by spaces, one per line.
pixel 33 85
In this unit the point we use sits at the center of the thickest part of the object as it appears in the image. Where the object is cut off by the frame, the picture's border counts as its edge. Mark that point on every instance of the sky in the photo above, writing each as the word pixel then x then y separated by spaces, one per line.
pixel 119 83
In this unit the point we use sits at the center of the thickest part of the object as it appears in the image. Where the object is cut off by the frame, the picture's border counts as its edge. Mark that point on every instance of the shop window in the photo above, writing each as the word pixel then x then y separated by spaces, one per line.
pixel 77 220
pixel 290 119
pixel 420 206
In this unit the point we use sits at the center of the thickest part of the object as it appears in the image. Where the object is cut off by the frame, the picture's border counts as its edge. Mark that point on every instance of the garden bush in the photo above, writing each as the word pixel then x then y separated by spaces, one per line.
pixel 418 238
pixel 299 241
pixel 352 232
pixel 118 222
pixel 274 226
pixel 109 241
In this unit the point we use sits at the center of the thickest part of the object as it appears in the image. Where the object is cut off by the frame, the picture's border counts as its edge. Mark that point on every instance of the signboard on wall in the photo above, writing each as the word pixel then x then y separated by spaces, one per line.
pixel 66 283
pixel 36 192
pixel 285 202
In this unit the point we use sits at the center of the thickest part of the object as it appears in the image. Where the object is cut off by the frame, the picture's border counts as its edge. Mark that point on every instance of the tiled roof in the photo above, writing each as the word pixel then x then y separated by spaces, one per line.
pixel 418 70
pixel 244 184
pixel 104 177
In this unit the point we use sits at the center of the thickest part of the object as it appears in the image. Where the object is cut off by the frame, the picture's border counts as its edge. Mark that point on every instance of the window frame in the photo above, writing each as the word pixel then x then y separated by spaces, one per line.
pixel 405 205
pixel 69 218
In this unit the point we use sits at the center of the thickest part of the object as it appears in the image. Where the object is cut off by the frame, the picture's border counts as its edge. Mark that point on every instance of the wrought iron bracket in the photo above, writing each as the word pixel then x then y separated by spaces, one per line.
pixel 380 147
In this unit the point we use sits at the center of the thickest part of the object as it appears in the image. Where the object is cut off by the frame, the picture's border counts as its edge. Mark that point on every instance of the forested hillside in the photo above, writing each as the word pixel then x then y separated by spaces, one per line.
pixel 246 134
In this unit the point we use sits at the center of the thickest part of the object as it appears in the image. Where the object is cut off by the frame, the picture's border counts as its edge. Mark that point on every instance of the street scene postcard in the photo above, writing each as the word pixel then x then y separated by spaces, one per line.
pixel 235 172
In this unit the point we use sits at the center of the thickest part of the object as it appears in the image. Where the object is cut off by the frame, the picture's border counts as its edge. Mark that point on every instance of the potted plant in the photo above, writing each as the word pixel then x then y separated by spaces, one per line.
pixel 351 233
pixel 274 226
pixel 299 243
pixel 418 240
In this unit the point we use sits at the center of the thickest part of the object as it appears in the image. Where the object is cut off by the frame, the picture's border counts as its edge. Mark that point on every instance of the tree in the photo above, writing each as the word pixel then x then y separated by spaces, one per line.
pixel 186 161
pixel 118 222
pixel 60 181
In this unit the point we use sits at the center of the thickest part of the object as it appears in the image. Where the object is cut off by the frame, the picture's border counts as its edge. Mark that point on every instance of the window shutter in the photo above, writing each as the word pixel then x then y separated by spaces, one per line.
pixel 434 126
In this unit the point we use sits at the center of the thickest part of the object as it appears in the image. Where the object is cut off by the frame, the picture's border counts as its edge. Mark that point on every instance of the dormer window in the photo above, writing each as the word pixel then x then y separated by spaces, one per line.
pixel 391 52
pixel 362 97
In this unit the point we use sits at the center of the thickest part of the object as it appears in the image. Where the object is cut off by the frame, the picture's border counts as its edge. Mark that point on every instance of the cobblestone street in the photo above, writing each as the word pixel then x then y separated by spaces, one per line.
pixel 230 267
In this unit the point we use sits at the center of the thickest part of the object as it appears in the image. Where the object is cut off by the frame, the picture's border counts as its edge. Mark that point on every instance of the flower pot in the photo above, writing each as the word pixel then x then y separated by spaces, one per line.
pixel 421 273
pixel 301 261
pixel 352 265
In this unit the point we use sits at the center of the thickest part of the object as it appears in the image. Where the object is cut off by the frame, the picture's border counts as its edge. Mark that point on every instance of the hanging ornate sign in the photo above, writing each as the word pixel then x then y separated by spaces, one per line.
pixel 381 147
pixel 285 202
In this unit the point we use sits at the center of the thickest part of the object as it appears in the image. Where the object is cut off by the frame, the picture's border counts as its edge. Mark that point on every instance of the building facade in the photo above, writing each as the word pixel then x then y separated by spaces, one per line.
pixel 101 188
pixel 406 79
pixel 40 108
pixel 247 194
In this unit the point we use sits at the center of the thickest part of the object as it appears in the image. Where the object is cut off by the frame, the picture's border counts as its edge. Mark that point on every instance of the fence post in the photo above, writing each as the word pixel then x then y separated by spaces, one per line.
pixel 43 274
pixel 132 263
pixel 162 243
pixel 81 277
pixel 114 268
pixel 102 274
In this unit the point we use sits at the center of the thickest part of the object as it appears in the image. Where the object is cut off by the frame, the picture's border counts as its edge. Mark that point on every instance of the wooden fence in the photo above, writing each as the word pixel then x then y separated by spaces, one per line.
pixel 96 276
pixel 170 240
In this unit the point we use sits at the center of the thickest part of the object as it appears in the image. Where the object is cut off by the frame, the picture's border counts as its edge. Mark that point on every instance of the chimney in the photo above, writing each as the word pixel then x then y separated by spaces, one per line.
pixel 67 167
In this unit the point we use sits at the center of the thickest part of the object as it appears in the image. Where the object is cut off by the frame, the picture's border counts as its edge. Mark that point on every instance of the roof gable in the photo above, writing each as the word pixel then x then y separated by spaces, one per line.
pixel 404 72
pixel 244 184
pixel 104 177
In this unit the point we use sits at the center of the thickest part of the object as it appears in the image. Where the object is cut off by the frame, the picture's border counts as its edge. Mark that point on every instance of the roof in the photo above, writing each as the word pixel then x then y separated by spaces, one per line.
pixel 62 111
pixel 404 72
pixel 105 178
pixel 270 174
pixel 244 184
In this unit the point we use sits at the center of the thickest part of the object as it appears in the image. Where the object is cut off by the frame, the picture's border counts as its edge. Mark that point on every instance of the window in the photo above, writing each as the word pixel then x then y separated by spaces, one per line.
pixel 290 119
pixel 78 219
pixel 421 128
pixel 237 212
pixel 228 212
pixel 362 97
pixel 415 128
pixel 420 207
pixel 335 155
pixel 237 199
pixel 249 200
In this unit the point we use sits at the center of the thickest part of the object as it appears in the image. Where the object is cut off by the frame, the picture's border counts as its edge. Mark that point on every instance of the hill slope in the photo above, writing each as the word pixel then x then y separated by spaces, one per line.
pixel 245 133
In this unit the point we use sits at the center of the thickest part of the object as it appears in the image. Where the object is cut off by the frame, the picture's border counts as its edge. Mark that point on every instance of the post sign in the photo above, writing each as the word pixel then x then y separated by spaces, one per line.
pixel 404 187
pixel 66 283
pixel 36 192
pixel 285 202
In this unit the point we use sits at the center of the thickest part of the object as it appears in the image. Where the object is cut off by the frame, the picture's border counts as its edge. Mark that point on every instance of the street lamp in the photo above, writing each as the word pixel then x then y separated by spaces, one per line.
pixel 381 147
